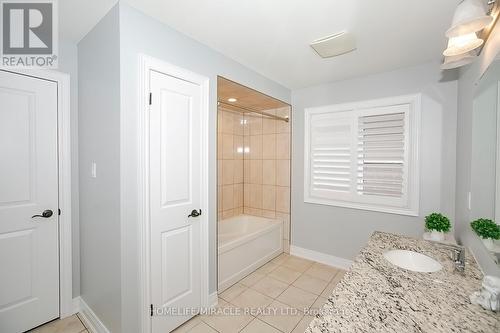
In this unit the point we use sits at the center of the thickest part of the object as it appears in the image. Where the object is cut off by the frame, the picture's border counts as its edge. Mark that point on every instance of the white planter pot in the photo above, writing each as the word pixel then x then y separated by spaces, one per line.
pixel 489 243
pixel 437 236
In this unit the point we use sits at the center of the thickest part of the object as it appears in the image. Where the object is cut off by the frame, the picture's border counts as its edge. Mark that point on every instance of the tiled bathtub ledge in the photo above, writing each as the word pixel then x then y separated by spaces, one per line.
pixel 376 296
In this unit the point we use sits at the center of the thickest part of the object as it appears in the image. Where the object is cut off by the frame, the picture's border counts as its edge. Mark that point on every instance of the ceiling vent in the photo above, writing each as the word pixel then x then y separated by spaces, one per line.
pixel 334 45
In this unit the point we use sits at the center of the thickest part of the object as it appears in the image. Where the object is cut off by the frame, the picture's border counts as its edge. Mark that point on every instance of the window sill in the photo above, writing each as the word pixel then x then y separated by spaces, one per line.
pixel 406 211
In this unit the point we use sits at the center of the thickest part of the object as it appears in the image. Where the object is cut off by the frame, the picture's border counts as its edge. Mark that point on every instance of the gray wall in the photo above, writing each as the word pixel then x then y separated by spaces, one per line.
pixel 142 34
pixel 469 77
pixel 341 232
pixel 68 63
pixel 484 146
pixel 99 132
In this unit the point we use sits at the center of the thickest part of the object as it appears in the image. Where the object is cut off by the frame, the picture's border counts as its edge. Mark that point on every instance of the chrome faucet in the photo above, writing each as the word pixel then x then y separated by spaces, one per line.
pixel 458 256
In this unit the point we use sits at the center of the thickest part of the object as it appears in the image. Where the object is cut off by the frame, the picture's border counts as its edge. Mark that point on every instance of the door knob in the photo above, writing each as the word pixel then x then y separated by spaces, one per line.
pixel 46 214
pixel 195 213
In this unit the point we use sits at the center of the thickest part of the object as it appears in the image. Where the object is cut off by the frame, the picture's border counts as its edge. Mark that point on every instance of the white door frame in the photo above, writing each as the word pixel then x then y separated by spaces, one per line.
pixel 146 65
pixel 62 80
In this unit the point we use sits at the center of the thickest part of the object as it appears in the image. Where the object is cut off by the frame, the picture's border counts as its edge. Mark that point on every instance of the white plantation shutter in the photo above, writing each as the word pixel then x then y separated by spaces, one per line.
pixel 364 155
pixel 331 155
pixel 381 155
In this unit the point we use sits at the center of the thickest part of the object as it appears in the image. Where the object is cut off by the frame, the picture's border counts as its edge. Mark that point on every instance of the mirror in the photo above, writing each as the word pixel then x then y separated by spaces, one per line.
pixel 485 166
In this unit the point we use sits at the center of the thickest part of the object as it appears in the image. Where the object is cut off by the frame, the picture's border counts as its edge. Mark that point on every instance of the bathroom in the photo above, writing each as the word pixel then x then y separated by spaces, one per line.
pixel 260 166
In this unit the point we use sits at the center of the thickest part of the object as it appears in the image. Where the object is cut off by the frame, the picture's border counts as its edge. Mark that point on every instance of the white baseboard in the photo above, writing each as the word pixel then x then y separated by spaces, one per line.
pixel 76 304
pixel 89 318
pixel 323 258
pixel 95 325
pixel 213 299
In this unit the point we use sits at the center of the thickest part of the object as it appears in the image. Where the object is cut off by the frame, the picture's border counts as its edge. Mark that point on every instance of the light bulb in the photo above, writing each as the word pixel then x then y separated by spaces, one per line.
pixel 462 44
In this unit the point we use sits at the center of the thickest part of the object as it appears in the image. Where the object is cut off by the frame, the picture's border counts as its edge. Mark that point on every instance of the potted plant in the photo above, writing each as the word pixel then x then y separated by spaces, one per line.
pixel 437 224
pixel 488 230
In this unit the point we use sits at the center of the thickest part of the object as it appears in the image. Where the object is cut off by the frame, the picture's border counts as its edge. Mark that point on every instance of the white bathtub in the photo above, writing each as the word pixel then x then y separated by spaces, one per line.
pixel 245 243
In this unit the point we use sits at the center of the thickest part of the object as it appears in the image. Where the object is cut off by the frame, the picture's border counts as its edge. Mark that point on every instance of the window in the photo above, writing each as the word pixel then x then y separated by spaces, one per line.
pixel 364 155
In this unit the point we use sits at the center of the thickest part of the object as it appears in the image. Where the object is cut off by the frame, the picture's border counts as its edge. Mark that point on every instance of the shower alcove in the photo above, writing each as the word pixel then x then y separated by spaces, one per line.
pixel 253 199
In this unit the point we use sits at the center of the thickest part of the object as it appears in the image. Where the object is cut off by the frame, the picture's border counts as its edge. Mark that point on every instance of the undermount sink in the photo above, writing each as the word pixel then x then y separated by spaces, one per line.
pixel 412 261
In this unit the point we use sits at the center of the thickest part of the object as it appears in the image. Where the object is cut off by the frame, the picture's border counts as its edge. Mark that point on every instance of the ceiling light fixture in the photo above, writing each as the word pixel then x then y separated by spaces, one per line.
pixel 470 16
pixel 334 45
pixel 462 44
pixel 232 100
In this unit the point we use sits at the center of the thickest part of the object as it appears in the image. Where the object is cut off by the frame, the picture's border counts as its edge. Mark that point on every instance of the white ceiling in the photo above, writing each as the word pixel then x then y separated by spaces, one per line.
pixel 272 36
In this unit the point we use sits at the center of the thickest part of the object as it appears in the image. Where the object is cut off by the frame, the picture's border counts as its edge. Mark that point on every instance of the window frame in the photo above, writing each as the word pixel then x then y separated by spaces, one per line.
pixel 410 206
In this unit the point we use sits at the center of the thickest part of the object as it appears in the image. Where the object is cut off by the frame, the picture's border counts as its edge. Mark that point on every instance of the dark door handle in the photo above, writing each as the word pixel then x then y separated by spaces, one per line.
pixel 46 214
pixel 195 213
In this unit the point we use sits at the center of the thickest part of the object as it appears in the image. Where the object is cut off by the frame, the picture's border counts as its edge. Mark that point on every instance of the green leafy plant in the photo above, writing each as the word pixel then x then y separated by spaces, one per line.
pixel 437 222
pixel 486 228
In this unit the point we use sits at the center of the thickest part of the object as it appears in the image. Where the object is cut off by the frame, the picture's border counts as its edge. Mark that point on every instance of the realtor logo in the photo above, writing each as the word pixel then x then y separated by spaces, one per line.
pixel 29 33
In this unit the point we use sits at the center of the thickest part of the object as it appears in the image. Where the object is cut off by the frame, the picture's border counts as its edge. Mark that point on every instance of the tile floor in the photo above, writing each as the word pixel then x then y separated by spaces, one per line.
pixel 283 295
pixel 71 324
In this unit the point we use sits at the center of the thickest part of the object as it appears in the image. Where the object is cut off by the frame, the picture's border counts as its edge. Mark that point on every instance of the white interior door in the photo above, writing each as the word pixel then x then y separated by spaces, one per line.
pixel 29 257
pixel 175 191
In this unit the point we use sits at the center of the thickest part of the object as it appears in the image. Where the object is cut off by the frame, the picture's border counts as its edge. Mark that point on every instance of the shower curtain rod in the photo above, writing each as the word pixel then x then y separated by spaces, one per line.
pixel 253 111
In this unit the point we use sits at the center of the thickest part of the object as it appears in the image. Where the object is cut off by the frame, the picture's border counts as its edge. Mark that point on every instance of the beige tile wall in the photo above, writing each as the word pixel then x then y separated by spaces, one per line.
pixel 230 163
pixel 254 166
pixel 267 168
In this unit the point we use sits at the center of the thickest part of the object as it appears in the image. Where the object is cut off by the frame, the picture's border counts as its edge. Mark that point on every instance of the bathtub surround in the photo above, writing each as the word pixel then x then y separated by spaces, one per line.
pixel 267 168
pixel 230 129
pixel 254 166
pixel 378 296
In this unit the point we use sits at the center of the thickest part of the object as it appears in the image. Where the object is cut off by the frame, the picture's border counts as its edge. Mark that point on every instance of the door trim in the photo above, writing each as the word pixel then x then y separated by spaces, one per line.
pixel 64 189
pixel 146 65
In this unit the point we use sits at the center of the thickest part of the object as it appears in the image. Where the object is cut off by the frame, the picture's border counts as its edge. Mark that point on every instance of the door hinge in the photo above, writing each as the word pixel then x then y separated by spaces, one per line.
pixel 59 211
pixel 151 309
pixel 150 98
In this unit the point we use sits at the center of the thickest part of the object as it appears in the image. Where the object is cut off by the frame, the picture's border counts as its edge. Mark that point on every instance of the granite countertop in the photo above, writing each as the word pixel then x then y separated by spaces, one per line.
pixel 376 296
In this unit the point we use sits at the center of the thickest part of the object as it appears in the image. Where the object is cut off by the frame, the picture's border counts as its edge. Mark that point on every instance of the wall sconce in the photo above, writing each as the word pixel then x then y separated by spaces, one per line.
pixel 470 18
